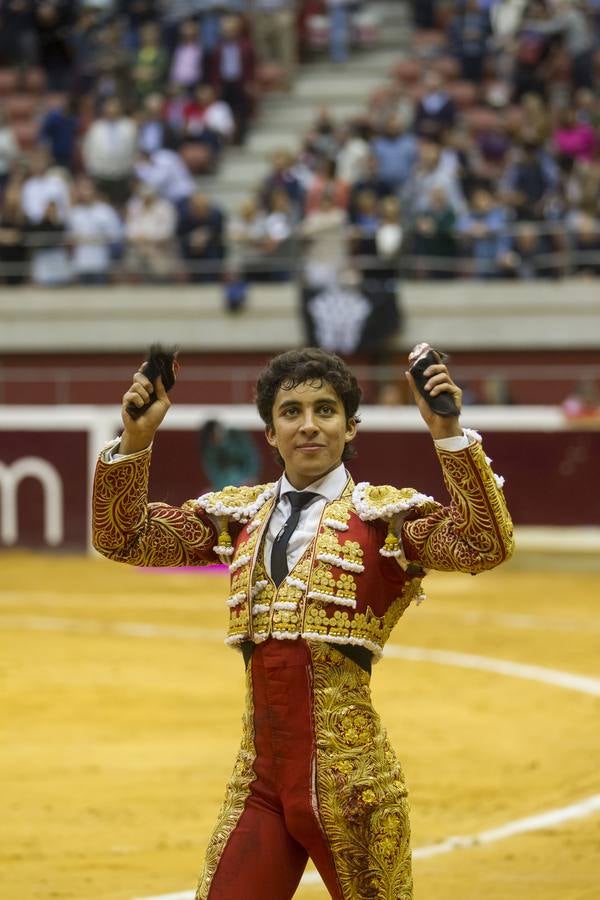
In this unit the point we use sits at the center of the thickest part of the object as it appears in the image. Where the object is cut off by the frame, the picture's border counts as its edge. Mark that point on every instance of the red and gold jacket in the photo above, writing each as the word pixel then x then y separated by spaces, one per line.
pixel 361 571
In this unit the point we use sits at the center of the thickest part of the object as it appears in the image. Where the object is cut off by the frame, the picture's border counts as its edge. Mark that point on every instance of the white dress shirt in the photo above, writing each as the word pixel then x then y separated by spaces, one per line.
pixel 328 487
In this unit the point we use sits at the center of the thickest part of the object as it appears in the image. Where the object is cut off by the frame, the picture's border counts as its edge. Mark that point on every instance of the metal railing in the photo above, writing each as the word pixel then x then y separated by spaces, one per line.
pixel 562 254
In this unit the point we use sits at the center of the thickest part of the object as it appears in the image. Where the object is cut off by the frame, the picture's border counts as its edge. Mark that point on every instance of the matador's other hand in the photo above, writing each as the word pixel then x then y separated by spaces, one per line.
pixel 139 432
pixel 438 381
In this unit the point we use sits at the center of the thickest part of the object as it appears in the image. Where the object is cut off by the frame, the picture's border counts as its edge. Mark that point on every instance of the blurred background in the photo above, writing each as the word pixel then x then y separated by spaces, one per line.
pixel 238 178
pixel 241 177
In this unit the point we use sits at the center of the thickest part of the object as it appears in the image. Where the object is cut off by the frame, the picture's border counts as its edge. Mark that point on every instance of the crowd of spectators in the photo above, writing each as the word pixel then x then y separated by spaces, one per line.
pixel 116 106
pixel 480 157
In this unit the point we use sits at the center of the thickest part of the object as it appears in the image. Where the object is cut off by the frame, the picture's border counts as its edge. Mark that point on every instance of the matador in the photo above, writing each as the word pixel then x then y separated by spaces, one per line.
pixel 321 570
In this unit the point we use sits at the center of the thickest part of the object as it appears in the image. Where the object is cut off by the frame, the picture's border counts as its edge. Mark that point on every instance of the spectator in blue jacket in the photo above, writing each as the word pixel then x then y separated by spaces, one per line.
pixel 396 151
pixel 484 228
pixel 58 130
pixel 469 31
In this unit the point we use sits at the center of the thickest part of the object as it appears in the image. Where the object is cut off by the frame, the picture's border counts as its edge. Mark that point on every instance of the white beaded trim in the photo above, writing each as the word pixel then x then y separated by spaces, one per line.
pixel 367 512
pixel 257 587
pixel 472 435
pixel 238 513
pixel 392 553
pixel 236 639
pixel 260 608
pixel 236 599
pixel 296 582
pixel 375 649
pixel 223 551
pixel 335 523
pixel 239 562
pixel 285 604
pixel 259 636
pixel 340 563
pixel 499 479
pixel 252 526
pixel 331 598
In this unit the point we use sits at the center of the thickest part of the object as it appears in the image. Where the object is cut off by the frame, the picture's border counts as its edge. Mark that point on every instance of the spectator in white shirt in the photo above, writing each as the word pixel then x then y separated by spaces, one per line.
pixel 94 228
pixel 325 233
pixel 9 149
pixel 277 244
pixel 50 265
pixel 150 230
pixel 165 172
pixel 246 235
pixel 206 110
pixel 44 186
pixel 353 155
pixel 109 149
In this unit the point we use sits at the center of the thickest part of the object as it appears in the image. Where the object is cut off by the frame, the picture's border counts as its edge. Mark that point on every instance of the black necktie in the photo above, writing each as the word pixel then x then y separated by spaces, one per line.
pixel 279 567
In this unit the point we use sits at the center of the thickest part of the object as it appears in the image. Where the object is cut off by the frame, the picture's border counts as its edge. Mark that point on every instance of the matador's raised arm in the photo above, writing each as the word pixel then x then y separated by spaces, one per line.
pixel 128 529
pixel 474 532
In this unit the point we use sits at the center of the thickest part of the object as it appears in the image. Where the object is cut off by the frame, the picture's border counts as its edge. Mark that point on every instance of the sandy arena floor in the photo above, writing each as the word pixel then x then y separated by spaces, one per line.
pixel 120 721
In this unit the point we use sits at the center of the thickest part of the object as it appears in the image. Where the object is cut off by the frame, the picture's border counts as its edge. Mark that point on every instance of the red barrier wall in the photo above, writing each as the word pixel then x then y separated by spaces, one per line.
pixel 551 478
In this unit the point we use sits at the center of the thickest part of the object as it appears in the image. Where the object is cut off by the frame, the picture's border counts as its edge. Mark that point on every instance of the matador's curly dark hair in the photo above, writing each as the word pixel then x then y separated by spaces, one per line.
pixel 295 367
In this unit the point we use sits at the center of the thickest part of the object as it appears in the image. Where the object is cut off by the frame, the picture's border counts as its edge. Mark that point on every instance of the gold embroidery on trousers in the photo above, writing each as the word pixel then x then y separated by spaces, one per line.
pixel 236 793
pixel 361 791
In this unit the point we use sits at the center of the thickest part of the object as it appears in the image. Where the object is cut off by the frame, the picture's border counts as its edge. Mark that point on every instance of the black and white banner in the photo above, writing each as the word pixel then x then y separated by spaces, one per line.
pixel 347 319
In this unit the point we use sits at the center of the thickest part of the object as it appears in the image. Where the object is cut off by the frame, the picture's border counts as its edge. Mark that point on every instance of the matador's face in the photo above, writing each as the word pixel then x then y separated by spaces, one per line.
pixel 309 430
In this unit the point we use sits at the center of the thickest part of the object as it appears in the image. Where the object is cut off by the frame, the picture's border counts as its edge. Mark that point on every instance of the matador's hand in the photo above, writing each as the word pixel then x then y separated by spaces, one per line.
pixel 139 433
pixel 439 380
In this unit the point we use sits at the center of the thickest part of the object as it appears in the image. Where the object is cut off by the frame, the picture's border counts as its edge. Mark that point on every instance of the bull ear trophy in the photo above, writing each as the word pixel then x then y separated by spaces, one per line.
pixel 420 358
pixel 161 362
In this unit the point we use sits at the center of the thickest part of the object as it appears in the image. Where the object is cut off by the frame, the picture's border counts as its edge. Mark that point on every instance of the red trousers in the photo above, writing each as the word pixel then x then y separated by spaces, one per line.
pixel 313 779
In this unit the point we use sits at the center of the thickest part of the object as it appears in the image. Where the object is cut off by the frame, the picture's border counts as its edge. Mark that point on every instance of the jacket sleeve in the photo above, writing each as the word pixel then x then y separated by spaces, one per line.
pixel 126 528
pixel 475 532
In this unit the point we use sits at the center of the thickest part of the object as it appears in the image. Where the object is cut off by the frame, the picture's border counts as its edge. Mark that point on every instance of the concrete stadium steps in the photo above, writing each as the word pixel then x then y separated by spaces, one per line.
pixel 284 119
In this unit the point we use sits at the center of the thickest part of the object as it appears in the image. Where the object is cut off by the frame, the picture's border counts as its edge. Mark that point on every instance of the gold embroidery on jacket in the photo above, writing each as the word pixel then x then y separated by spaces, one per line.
pixel 128 529
pixel 475 532
pixel 236 793
pixel 361 791
pixel 347 555
pixel 365 629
